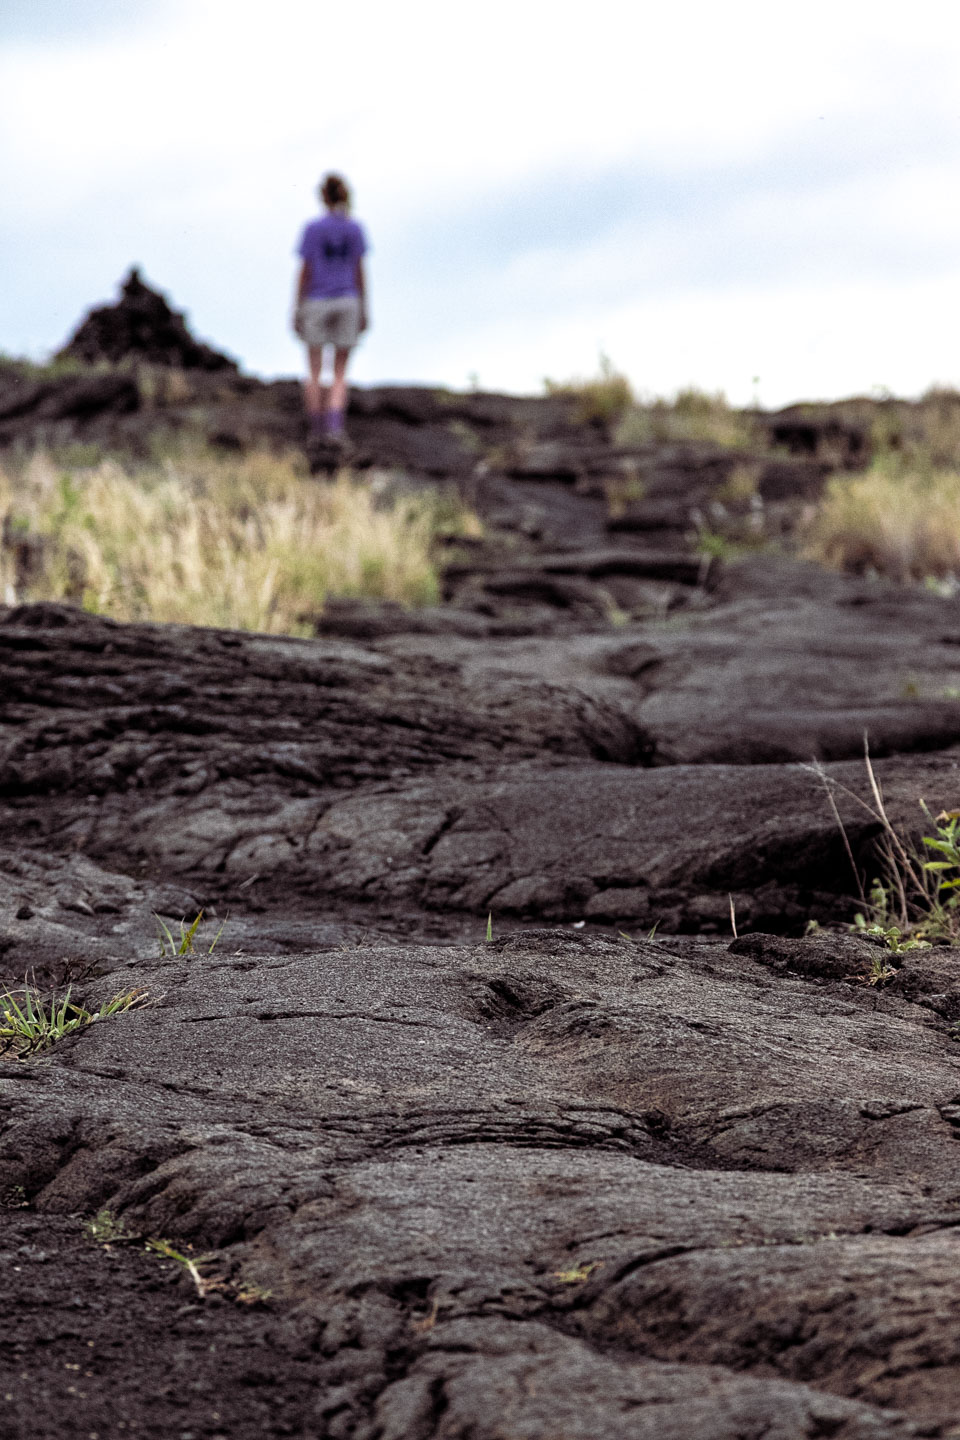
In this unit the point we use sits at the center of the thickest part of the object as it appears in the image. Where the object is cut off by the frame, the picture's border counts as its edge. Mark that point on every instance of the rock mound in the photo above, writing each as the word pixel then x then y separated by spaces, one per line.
pixel 141 326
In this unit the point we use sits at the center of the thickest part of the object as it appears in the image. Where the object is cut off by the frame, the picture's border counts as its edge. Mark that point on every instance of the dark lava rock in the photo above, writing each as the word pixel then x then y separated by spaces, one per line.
pixel 559 1182
pixel 930 978
pixel 823 432
pixel 70 399
pixel 222 1363
pixel 827 1311
pixel 41 408
pixel 825 956
pixel 427 1186
pixel 500 1179
pixel 141 326
pixel 419 777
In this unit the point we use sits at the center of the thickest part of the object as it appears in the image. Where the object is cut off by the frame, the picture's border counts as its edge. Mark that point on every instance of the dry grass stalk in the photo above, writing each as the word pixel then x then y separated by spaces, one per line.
pixel 914 899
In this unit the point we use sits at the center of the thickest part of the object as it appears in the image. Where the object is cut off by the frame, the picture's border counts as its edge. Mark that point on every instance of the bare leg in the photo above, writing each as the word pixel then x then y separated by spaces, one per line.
pixel 314 392
pixel 338 390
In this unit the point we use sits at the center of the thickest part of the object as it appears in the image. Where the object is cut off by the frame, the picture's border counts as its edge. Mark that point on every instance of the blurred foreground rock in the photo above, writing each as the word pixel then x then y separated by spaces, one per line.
pixel 507 1187
pixel 418 779
pixel 548 1185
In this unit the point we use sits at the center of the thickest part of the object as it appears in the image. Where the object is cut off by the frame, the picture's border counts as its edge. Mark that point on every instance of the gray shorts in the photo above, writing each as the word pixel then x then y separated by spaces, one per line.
pixel 330 322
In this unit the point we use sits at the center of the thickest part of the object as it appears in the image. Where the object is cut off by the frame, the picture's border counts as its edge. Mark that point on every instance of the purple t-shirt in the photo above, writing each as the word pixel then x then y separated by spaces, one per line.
pixel 331 247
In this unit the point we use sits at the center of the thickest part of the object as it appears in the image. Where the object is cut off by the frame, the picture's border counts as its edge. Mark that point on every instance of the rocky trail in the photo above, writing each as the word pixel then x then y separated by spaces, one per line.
pixel 600 1171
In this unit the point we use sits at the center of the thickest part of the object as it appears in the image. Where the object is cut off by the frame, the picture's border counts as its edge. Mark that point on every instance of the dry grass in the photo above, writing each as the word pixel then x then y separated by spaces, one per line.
pixel 692 416
pixel 899 523
pixel 922 435
pixel 900 518
pixel 603 399
pixel 249 542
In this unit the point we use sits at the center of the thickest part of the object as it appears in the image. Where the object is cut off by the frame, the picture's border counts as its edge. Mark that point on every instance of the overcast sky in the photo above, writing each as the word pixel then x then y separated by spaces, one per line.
pixel 745 196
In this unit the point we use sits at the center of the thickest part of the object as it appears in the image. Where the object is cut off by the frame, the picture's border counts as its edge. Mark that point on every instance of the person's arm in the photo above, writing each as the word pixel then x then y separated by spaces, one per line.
pixel 303 279
pixel 361 282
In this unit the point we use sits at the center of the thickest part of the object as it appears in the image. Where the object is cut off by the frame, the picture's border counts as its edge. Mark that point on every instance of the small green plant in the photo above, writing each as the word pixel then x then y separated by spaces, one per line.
pixel 718 547
pixel 14 1198
pixel 244 1293
pixel 945 844
pixel 106 1229
pixel 577 1274
pixel 650 935
pixel 29 1023
pixel 916 899
pixel 169 1252
pixel 891 936
pixel 878 971
pixel 241 1291
pixel 489 935
pixel 172 947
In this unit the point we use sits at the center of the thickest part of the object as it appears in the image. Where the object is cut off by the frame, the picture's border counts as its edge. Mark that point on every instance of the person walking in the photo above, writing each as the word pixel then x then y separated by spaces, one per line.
pixel 330 304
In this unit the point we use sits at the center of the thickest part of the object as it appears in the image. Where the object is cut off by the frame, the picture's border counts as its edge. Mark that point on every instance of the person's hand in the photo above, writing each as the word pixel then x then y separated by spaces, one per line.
pixel 364 321
pixel 295 323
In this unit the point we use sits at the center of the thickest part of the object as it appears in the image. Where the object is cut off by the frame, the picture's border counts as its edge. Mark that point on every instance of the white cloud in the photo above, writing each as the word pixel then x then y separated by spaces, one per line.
pixel 427 95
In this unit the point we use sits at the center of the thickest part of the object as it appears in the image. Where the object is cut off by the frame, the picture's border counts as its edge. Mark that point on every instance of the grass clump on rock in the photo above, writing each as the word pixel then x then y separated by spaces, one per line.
pixel 901 524
pixel 915 900
pixel 901 518
pixel 602 399
pixel 175 947
pixel 247 542
pixel 693 416
pixel 29 1023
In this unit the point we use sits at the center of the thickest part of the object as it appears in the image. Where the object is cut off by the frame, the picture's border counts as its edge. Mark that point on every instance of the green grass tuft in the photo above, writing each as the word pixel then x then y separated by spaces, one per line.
pixel 172 947
pixel 29 1023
